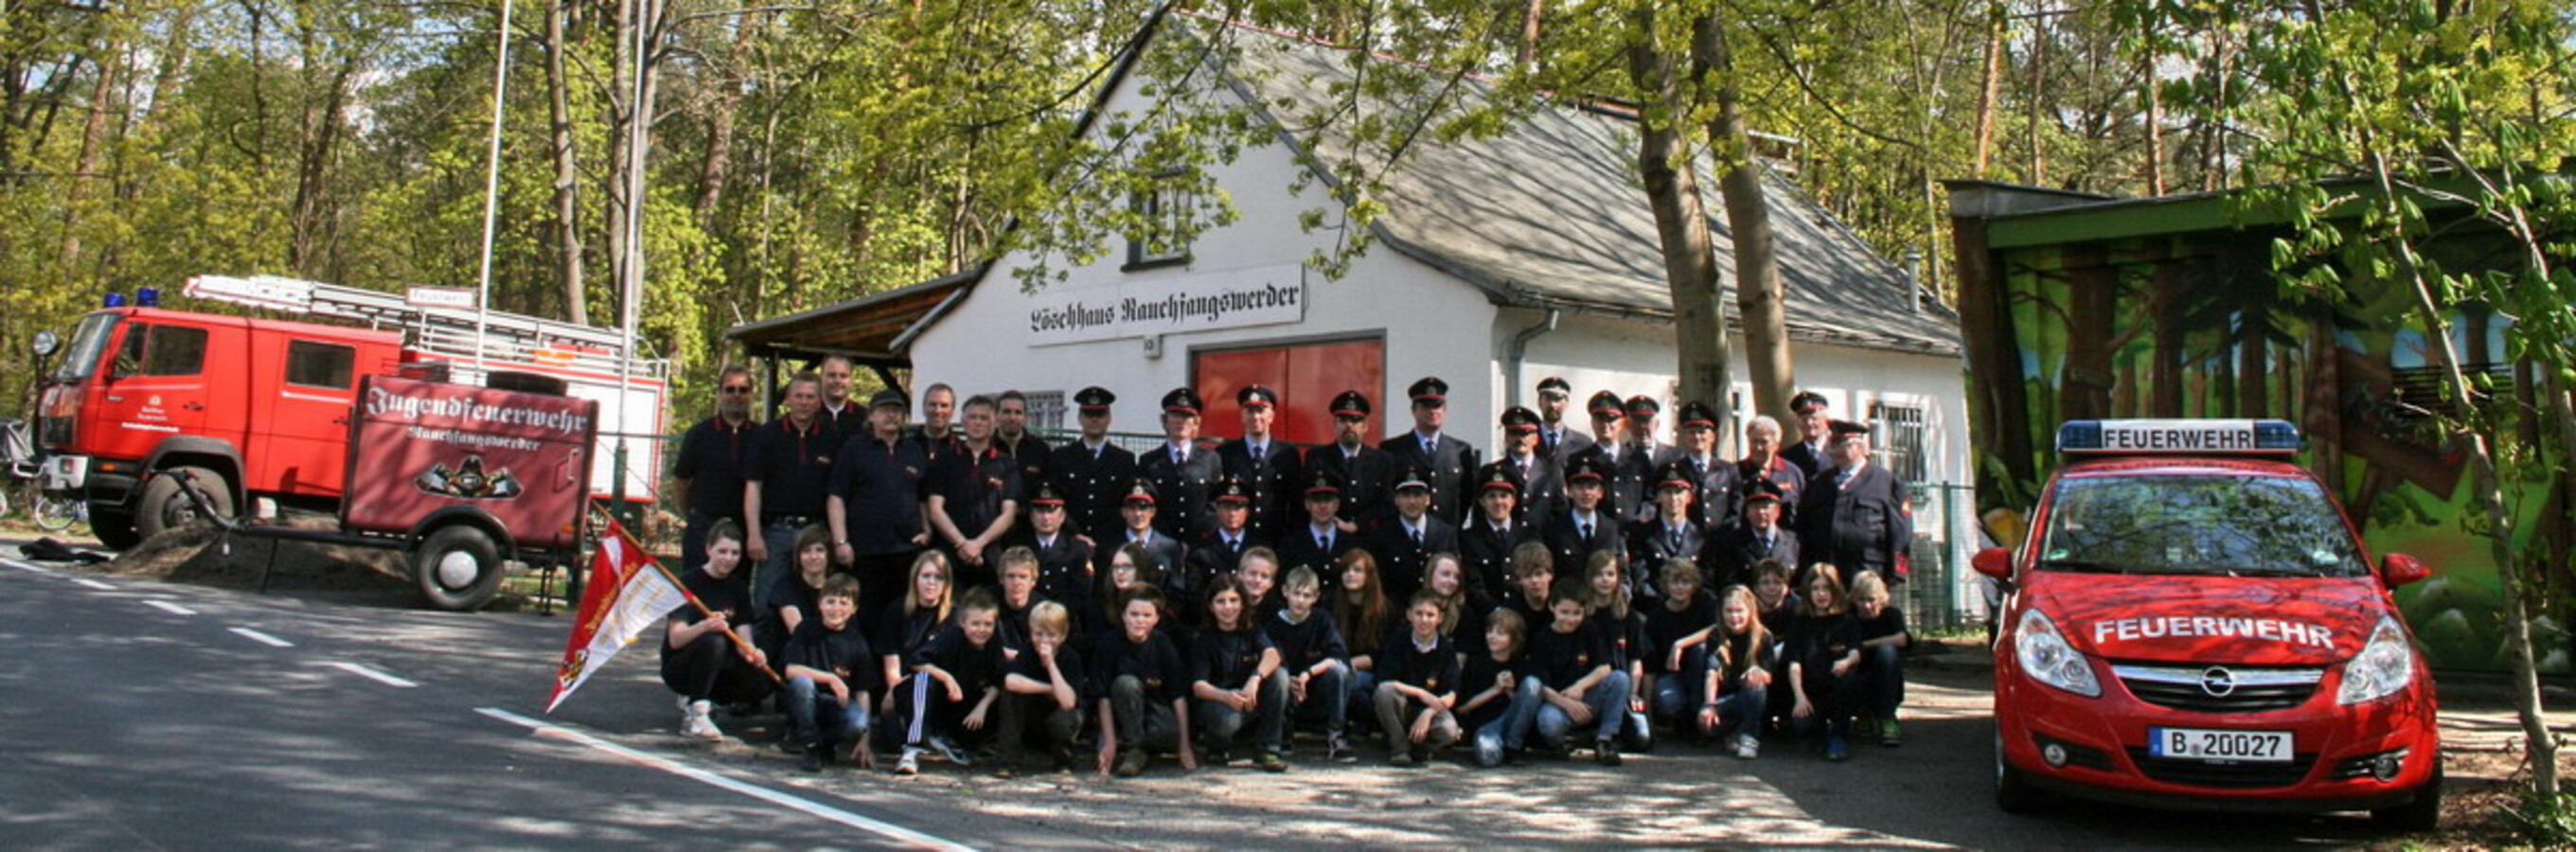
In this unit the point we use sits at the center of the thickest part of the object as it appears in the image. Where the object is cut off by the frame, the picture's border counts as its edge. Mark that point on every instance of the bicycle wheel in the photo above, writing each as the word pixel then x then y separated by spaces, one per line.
pixel 54 514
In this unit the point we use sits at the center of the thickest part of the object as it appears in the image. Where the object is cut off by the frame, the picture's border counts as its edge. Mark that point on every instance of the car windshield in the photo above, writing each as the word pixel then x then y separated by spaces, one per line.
pixel 2268 526
pixel 88 341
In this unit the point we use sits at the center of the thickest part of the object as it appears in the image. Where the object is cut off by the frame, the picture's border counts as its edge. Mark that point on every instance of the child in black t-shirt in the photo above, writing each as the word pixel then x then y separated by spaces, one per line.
pixel 1258 568
pixel 1882 664
pixel 1607 592
pixel 1571 682
pixel 1771 590
pixel 1018 583
pixel 906 625
pixel 1822 652
pixel 1046 681
pixel 830 672
pixel 1534 573
pixel 1235 677
pixel 1486 685
pixel 1311 651
pixel 1141 688
pixel 956 676
pixel 699 662
pixel 1677 625
pixel 1462 610
pixel 1737 689
pixel 1417 684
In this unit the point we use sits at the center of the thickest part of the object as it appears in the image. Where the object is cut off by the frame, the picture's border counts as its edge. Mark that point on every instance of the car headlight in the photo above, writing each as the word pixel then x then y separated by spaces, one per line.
pixel 2385 665
pixel 2045 657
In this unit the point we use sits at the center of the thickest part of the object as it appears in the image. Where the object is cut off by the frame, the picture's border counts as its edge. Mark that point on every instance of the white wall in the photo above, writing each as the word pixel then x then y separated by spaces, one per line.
pixel 1432 324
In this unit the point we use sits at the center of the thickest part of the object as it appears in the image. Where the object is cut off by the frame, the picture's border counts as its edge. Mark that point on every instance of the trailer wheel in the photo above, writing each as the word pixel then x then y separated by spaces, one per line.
pixel 458 568
pixel 115 530
pixel 165 506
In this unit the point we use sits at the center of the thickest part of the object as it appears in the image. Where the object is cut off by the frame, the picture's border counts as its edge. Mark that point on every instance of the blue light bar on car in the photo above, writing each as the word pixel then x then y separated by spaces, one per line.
pixel 2178 437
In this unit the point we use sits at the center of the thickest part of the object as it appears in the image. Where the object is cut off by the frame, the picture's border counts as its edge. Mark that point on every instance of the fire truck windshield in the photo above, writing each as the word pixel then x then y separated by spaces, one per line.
pixel 2246 526
pixel 88 342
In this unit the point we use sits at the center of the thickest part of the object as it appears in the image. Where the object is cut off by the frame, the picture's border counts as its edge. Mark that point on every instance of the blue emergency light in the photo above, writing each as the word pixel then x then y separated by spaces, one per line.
pixel 147 297
pixel 2178 437
pixel 115 300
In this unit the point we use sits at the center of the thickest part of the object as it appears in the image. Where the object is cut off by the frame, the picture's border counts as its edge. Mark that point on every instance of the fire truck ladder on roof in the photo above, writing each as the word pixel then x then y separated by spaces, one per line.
pixel 449 332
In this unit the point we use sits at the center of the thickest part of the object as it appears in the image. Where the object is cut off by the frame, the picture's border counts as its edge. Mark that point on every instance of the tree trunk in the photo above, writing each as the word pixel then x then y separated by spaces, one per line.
pixel 1681 223
pixel 1758 294
pixel 1990 91
pixel 2488 490
pixel 1527 59
pixel 76 191
pixel 567 224
pixel 717 168
pixel 2155 126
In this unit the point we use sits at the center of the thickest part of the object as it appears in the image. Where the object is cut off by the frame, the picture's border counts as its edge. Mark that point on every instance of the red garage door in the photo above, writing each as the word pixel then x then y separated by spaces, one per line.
pixel 1307 378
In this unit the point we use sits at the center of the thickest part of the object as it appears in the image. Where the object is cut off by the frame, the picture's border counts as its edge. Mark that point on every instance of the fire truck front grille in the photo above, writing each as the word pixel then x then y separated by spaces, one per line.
pixel 2220 689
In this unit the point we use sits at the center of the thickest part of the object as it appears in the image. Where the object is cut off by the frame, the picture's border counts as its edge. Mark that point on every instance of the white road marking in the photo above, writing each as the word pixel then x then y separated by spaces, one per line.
pixel 171 608
pixel 371 674
pixel 262 638
pixel 24 566
pixel 886 830
pixel 94 584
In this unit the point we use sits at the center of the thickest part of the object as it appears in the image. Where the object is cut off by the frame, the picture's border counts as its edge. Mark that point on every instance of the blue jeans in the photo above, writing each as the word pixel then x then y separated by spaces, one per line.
pixel 1359 688
pixel 781 541
pixel 1739 709
pixel 1677 693
pixel 1882 680
pixel 1328 695
pixel 1490 737
pixel 822 719
pixel 1220 726
pixel 1531 711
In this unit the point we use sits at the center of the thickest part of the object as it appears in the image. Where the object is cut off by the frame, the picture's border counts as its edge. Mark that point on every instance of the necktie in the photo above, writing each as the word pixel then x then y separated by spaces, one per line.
pixel 1417 536
pixel 1583 529
pixel 1257 453
pixel 1675 535
pixel 1430 447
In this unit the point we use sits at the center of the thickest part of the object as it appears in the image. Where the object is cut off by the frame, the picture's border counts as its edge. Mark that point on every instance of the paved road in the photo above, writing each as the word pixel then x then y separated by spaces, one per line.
pixel 159 714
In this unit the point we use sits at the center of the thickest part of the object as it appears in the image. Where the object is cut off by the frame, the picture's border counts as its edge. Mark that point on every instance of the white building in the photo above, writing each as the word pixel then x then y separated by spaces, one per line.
pixel 1498 263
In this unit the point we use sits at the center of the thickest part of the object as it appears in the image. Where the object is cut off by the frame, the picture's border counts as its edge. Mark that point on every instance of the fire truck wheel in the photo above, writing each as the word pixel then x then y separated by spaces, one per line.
pixel 458 568
pixel 114 529
pixel 2013 793
pixel 165 507
pixel 2422 814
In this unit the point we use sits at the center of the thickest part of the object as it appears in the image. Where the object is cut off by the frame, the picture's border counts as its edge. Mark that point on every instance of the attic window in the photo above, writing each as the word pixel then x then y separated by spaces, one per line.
pixel 1162 218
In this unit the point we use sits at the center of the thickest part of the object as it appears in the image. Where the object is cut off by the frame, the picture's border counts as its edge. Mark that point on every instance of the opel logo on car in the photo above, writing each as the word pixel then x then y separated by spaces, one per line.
pixel 2218 682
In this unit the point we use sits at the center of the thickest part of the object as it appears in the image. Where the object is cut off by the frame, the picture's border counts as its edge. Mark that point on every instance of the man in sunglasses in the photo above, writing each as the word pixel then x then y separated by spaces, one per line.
pixel 710 464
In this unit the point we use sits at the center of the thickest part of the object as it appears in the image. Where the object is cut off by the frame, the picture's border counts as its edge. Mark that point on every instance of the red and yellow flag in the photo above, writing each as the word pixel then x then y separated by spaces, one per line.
pixel 627 594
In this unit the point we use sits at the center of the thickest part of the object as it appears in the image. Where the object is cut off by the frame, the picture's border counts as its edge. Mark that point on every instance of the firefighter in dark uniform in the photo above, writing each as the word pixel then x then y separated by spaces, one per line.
pixel 1665 536
pixel 785 482
pixel 1183 472
pixel 1635 459
pixel 1733 551
pixel 1404 541
pixel 1486 540
pixel 1809 451
pixel 1064 560
pixel 1712 478
pixel 709 468
pixel 1267 466
pixel 1093 473
pixel 1857 516
pixel 973 499
pixel 1447 460
pixel 1361 470
pixel 874 504
pixel 1139 501
pixel 1541 482
pixel 1014 436
pixel 1557 439
pixel 1217 551
pixel 1318 540
pixel 1586 524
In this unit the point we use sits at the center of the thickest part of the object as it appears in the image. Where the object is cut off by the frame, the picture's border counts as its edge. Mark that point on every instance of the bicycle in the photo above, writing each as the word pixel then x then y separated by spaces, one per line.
pixel 21 466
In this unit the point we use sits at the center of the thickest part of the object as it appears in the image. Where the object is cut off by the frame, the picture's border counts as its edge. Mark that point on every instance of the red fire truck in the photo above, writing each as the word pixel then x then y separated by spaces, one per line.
pixel 259 412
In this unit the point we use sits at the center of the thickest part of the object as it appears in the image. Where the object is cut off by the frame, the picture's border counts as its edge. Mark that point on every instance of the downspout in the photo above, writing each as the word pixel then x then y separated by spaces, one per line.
pixel 1519 350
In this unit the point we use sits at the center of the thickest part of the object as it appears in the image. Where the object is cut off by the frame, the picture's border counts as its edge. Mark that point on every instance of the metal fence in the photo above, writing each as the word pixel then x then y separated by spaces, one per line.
pixel 1944 593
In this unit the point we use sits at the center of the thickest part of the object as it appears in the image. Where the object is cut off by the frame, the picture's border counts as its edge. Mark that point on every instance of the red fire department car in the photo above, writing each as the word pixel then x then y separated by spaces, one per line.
pixel 2193 621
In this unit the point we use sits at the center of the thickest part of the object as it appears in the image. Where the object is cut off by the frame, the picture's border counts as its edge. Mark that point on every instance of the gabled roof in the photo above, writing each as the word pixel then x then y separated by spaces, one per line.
pixel 871 329
pixel 1551 213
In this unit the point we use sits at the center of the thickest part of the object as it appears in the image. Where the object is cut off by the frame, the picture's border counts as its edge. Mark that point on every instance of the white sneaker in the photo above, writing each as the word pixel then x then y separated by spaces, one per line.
pixel 698 723
pixel 1746 747
pixel 911 762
